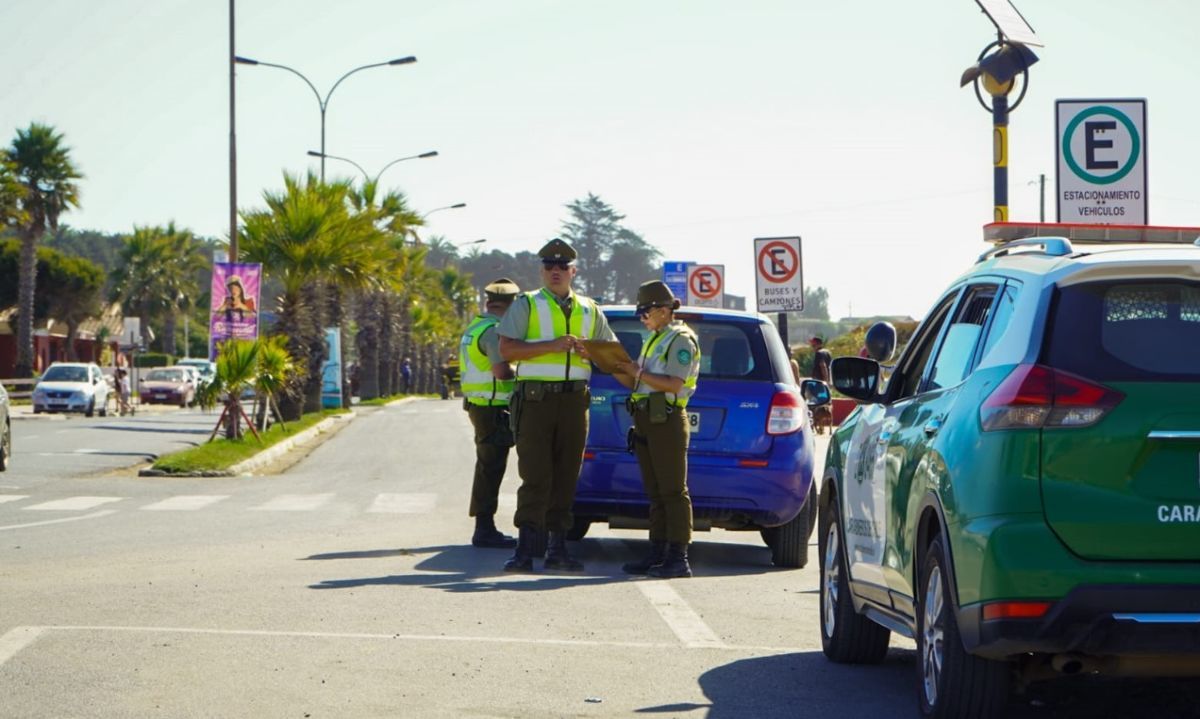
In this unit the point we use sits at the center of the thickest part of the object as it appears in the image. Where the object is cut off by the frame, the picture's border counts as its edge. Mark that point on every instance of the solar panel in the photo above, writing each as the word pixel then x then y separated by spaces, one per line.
pixel 1009 21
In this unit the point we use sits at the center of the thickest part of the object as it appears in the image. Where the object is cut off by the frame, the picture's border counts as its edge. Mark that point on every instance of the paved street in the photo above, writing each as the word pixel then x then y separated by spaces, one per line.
pixel 346 587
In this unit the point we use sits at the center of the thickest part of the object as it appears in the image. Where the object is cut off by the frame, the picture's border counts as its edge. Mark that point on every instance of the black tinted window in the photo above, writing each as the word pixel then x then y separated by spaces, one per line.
pixel 1002 313
pixel 908 378
pixel 1132 331
pixel 962 336
pixel 728 350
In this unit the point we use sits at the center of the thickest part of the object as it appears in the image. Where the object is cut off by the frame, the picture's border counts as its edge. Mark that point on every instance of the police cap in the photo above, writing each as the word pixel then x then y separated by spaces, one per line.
pixel 557 251
pixel 502 290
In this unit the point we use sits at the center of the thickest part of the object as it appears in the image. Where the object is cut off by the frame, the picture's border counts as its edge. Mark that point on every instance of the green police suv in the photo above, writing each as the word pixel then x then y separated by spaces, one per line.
pixel 1021 494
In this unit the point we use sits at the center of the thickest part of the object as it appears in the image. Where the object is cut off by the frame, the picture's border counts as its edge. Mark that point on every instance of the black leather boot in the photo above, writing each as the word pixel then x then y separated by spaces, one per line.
pixel 522 559
pixel 658 553
pixel 486 534
pixel 557 558
pixel 675 565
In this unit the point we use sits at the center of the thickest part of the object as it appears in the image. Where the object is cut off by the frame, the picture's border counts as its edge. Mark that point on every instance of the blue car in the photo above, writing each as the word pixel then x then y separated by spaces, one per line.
pixel 750 461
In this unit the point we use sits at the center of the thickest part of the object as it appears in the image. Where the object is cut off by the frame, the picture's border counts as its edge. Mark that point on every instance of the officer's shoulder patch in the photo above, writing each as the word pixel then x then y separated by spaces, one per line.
pixel 685 356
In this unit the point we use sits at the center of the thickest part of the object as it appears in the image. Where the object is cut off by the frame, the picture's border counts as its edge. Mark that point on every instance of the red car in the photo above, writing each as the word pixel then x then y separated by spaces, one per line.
pixel 167 385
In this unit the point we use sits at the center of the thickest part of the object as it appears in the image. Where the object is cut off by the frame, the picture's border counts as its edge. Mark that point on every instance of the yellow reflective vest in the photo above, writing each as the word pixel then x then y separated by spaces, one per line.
pixel 479 385
pixel 547 321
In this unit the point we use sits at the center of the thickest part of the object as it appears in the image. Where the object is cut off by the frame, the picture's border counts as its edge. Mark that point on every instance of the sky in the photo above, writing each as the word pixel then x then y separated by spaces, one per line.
pixel 706 123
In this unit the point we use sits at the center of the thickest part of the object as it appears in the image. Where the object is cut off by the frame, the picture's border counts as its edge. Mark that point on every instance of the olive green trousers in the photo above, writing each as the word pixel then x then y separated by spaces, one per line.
pixel 661 451
pixel 551 434
pixel 491 457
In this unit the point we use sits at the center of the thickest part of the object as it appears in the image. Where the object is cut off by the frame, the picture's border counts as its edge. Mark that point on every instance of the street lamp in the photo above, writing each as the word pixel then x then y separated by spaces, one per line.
pixel 324 102
pixel 447 207
pixel 367 177
pixel 470 242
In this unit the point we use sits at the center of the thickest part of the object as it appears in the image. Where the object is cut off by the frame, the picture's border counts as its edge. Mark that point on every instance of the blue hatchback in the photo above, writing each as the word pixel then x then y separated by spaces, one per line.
pixel 750 460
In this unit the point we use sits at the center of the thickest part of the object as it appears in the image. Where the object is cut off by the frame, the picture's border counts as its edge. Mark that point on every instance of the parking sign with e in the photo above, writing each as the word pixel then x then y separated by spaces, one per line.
pixel 1101 148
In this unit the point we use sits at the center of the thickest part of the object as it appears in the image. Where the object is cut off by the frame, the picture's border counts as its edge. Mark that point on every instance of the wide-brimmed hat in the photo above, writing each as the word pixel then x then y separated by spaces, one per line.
pixel 655 293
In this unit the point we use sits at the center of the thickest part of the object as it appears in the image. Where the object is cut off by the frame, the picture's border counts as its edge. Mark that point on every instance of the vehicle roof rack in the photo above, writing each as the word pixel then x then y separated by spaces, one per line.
pixel 1051 246
pixel 1001 232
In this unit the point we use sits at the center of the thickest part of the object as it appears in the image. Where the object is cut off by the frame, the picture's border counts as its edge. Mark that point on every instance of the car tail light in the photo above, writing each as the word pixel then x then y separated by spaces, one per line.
pixel 753 463
pixel 1036 396
pixel 589 455
pixel 787 413
pixel 1015 610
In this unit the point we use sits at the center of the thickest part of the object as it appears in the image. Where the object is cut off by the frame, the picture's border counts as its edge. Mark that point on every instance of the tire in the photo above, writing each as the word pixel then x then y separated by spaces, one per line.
pixel 5 446
pixel 580 529
pixel 789 542
pixel 950 681
pixel 91 409
pixel 847 637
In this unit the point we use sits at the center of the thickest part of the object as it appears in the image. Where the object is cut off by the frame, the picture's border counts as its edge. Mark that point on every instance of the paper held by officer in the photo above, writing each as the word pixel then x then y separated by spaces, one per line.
pixel 606 354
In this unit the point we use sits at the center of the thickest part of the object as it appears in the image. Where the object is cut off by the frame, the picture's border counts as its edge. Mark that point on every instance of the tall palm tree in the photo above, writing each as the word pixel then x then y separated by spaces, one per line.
pixel 155 277
pixel 43 165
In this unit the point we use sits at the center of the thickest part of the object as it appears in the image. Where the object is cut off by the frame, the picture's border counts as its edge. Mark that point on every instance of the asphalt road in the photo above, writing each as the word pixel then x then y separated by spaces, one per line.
pixel 346 587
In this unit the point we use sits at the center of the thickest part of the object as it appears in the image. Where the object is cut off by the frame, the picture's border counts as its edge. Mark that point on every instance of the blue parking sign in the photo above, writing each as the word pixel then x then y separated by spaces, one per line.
pixel 674 275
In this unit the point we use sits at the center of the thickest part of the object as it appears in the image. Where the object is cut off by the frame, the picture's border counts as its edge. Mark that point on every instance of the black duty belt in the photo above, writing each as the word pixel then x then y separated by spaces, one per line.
pixel 577 385
pixel 643 405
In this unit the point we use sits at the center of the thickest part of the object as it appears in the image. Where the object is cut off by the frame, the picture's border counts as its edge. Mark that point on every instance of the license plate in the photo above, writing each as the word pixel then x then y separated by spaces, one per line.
pixel 693 421
pixel 160 396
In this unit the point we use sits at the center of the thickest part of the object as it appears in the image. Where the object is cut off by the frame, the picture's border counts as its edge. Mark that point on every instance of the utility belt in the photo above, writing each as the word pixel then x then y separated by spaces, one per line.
pixel 656 405
pixel 533 390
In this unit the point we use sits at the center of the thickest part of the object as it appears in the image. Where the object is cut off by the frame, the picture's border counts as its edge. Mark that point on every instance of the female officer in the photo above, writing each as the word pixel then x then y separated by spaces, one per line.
pixel 662 381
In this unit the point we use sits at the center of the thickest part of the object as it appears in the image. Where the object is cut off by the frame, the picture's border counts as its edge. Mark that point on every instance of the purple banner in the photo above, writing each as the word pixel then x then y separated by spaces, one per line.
pixel 235 294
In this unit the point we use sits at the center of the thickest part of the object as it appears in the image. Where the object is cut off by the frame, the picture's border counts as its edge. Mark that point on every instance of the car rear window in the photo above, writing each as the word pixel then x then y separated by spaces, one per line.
pixel 728 350
pixel 1127 331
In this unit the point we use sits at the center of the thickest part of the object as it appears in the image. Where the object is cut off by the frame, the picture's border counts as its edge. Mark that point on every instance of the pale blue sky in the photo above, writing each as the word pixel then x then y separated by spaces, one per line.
pixel 706 123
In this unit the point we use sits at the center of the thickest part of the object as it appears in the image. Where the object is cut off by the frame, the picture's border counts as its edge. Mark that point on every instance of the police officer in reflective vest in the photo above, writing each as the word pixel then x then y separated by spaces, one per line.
pixel 543 334
pixel 662 380
pixel 487 384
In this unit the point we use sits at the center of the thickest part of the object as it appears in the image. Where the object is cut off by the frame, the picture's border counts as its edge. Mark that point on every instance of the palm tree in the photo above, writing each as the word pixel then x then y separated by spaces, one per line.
pixel 43 166
pixel 275 369
pixel 155 277
pixel 12 192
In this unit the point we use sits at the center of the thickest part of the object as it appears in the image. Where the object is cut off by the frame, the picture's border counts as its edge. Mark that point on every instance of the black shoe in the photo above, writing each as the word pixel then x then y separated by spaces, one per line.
pixel 557 558
pixel 658 553
pixel 487 536
pixel 522 559
pixel 676 564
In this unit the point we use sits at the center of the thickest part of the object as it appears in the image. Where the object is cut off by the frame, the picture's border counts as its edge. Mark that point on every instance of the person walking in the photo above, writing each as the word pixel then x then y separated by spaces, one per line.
pixel 487 384
pixel 662 380
pixel 123 391
pixel 406 375
pixel 822 365
pixel 543 333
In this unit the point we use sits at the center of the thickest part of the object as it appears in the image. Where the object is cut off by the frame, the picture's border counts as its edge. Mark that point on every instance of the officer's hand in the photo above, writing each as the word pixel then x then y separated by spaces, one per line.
pixel 566 343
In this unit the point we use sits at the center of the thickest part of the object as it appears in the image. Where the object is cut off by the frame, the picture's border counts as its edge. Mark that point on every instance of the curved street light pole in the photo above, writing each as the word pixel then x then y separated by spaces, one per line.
pixel 324 102
pixel 447 207
pixel 367 177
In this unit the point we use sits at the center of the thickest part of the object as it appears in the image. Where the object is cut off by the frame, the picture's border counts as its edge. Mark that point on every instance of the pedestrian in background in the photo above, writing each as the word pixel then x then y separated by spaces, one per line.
pixel 662 380
pixel 543 334
pixel 822 367
pixel 406 375
pixel 487 384
pixel 123 391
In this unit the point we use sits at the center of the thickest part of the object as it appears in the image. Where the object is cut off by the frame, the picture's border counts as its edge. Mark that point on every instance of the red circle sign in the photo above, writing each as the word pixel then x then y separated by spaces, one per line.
pixel 778 267
pixel 705 282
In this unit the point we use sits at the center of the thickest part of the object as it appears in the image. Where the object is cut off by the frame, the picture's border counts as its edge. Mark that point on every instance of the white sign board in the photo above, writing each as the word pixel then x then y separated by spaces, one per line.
pixel 706 285
pixel 779 274
pixel 1101 150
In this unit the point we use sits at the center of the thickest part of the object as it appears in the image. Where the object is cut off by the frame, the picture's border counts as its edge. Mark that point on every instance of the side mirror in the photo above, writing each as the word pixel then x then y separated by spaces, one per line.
pixel 815 392
pixel 856 377
pixel 881 341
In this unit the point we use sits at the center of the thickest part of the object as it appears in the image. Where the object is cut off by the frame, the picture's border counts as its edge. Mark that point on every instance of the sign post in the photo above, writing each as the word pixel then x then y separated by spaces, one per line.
pixel 706 285
pixel 779 278
pixel 1101 151
pixel 675 276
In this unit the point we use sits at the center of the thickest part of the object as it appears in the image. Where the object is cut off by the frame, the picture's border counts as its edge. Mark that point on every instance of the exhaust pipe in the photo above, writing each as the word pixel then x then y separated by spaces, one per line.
pixel 1071 664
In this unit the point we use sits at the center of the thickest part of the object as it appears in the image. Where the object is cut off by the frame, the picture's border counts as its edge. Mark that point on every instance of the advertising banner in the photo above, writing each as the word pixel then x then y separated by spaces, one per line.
pixel 234 308
pixel 331 372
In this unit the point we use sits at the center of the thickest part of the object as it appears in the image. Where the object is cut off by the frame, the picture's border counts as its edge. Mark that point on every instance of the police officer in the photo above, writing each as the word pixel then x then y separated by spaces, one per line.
pixel 662 380
pixel 543 334
pixel 487 384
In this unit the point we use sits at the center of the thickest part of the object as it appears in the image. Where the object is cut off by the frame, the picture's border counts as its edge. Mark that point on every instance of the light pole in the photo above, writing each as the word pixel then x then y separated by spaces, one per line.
pixel 367 177
pixel 470 242
pixel 447 207
pixel 324 102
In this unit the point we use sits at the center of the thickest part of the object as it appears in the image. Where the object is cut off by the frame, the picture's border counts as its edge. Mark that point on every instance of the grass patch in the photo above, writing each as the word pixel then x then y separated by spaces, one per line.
pixel 379 401
pixel 223 453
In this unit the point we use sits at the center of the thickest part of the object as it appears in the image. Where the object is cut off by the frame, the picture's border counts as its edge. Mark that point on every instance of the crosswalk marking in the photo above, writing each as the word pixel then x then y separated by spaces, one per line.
pixel 186 503
pixel 295 503
pixel 404 503
pixel 12 497
pixel 74 503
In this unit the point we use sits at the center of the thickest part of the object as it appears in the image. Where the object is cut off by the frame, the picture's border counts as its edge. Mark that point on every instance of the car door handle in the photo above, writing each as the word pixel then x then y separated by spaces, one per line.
pixel 932 426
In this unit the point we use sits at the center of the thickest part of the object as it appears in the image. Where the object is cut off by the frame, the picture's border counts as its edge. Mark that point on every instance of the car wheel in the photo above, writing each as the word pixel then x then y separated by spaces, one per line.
pixel 847 637
pixel 91 408
pixel 579 529
pixel 5 446
pixel 789 543
pixel 952 682
pixel 37 409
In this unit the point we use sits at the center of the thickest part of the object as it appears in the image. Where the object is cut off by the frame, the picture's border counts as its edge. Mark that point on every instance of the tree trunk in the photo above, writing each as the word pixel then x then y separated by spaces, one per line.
pixel 316 353
pixel 169 324
pixel 367 342
pixel 291 323
pixel 26 283
pixel 72 334
pixel 387 349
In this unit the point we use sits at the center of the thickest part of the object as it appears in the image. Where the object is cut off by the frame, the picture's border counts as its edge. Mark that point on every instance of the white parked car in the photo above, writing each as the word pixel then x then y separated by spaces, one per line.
pixel 71 387
pixel 206 369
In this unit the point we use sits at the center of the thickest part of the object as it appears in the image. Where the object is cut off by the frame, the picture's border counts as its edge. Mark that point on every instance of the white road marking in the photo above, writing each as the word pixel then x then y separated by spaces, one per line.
pixel 73 503
pixel 507 501
pixel 93 515
pixel 12 497
pixel 417 638
pixel 186 503
pixel 680 617
pixel 294 503
pixel 17 639
pixel 404 503
pixel 88 451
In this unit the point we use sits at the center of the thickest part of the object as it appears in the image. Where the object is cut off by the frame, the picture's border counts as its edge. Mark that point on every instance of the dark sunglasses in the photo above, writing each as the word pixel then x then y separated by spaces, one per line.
pixel 643 310
pixel 556 265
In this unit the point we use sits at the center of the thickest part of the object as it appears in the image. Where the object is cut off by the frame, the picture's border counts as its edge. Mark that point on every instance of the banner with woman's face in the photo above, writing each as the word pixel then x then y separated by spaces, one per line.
pixel 235 296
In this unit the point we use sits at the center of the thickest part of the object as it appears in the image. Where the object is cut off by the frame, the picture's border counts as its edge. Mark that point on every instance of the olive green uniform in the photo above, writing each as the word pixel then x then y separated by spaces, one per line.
pixel 551 422
pixel 661 448
pixel 492 436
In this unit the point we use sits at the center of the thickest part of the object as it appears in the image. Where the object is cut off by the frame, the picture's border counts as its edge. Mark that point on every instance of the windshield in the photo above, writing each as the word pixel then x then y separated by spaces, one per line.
pixel 165 375
pixel 66 374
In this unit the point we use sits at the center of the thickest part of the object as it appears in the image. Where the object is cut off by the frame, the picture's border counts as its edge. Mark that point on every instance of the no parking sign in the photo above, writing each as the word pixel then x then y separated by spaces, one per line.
pixel 779 274
pixel 706 285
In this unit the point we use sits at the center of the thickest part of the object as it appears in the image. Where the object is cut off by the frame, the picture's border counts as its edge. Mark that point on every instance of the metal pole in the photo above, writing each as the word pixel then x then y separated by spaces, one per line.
pixel 783 332
pixel 1000 157
pixel 1042 203
pixel 323 105
pixel 233 224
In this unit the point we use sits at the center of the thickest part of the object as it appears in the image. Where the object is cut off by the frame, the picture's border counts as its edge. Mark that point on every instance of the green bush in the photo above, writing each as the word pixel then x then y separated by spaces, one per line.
pixel 153 359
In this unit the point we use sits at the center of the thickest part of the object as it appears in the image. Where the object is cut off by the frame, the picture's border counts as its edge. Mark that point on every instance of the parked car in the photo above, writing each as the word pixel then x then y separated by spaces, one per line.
pixel 5 431
pixel 71 387
pixel 167 385
pixel 750 458
pixel 206 369
pixel 1020 496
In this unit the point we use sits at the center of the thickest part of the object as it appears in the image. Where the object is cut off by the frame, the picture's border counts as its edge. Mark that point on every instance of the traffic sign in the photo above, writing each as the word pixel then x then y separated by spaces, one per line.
pixel 675 277
pixel 706 285
pixel 1101 151
pixel 779 274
